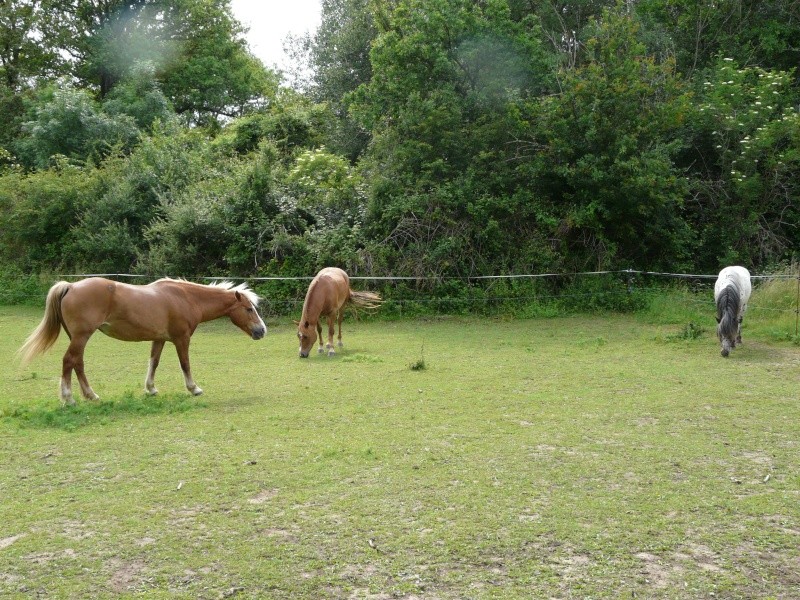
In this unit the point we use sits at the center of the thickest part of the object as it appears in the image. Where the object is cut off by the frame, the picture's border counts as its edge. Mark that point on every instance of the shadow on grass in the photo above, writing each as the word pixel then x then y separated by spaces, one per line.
pixel 70 418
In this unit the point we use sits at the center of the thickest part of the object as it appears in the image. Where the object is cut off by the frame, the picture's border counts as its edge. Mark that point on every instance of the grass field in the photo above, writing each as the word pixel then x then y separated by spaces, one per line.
pixel 575 457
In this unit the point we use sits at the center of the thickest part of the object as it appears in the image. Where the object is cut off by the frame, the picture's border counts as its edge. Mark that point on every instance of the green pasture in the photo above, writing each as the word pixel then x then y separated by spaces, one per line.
pixel 589 456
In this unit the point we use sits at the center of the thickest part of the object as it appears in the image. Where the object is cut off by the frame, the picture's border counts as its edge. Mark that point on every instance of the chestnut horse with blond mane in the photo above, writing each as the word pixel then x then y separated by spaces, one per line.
pixel 327 296
pixel 166 310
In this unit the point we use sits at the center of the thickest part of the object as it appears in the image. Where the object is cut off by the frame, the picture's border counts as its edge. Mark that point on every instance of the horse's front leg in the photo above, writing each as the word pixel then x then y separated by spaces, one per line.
pixel 73 360
pixel 330 336
pixel 182 346
pixel 319 337
pixel 155 358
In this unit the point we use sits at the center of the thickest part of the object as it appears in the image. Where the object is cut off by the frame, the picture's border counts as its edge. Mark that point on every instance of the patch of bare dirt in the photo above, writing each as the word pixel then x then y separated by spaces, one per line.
pixel 263 496
pixel 125 575
pixel 6 542
pixel 657 572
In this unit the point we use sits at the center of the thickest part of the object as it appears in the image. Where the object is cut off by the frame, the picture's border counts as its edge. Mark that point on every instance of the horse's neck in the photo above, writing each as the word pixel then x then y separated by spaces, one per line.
pixel 212 302
pixel 312 307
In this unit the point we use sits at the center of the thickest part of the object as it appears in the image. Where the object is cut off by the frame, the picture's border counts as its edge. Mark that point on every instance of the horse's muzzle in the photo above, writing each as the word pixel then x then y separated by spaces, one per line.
pixel 303 355
pixel 258 332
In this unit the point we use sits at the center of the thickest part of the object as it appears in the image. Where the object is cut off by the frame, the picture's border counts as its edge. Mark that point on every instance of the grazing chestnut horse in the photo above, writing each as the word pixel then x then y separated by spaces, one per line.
pixel 327 296
pixel 731 293
pixel 166 310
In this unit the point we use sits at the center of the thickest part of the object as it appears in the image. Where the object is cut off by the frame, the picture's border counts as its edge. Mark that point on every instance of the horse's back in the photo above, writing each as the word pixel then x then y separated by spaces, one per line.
pixel 330 287
pixel 740 278
pixel 88 300
pixel 120 310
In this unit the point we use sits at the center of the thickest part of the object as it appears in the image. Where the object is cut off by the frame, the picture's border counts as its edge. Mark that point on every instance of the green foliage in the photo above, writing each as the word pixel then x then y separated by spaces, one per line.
pixel 751 32
pixel 140 97
pixel 38 213
pixel 690 332
pixel 18 287
pixel 747 130
pixel 68 122
pixel 215 76
pixel 442 139
pixel 606 160
pixel 134 191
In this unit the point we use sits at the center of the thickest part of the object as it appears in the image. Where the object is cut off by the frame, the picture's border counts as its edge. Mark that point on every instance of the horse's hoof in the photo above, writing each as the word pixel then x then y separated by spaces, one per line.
pixel 151 392
pixel 321 350
pixel 341 345
pixel 331 353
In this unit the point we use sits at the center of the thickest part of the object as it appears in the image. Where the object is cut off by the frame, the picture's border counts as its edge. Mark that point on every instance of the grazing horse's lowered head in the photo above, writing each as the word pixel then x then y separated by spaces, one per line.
pixel 731 293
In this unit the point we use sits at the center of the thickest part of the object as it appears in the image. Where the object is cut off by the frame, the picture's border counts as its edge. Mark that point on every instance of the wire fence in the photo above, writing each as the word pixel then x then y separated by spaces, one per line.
pixel 518 294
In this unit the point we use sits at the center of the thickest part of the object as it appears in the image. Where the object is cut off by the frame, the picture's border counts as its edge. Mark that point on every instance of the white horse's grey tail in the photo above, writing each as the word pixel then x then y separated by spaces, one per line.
pixel 728 304
pixel 46 334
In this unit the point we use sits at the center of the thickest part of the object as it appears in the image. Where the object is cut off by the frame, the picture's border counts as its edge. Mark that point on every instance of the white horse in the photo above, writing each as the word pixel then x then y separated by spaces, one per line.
pixel 731 293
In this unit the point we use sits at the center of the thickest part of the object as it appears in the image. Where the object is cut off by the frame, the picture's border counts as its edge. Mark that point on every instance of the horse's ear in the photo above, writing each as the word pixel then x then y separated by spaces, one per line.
pixel 238 296
pixel 718 320
pixel 296 322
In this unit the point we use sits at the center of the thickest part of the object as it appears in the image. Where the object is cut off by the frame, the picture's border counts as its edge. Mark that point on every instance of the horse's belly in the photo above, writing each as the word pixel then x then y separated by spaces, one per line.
pixel 128 333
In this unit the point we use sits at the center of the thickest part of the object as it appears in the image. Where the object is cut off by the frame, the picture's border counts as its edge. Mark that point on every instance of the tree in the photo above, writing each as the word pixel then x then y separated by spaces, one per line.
pixel 742 158
pixel 753 32
pixel 68 122
pixel 339 63
pixel 25 56
pixel 196 46
pixel 447 80
pixel 139 96
pixel 602 153
pixel 213 74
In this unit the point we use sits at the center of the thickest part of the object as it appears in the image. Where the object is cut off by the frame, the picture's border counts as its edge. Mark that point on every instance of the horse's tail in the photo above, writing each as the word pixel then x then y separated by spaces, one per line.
pixel 728 304
pixel 46 334
pixel 368 300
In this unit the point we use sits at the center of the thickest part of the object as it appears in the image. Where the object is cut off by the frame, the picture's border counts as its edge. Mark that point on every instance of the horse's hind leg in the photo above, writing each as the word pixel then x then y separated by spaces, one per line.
pixel 739 331
pixel 73 360
pixel 155 357
pixel 182 346
pixel 339 322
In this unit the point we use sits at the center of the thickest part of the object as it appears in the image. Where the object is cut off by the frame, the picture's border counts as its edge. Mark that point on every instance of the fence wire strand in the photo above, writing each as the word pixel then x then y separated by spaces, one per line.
pixel 698 281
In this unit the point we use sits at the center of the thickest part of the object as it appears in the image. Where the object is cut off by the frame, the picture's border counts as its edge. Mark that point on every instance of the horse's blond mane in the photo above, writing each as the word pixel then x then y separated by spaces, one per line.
pixel 242 288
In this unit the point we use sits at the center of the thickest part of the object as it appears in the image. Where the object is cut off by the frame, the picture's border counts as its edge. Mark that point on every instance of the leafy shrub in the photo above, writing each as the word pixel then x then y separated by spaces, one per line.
pixel 68 122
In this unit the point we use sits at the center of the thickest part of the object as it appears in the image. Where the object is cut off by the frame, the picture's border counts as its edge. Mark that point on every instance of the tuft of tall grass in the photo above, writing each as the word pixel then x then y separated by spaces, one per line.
pixel 774 305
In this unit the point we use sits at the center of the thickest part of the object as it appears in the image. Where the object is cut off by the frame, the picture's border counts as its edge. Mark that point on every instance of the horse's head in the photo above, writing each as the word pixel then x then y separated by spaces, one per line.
pixel 244 314
pixel 307 334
